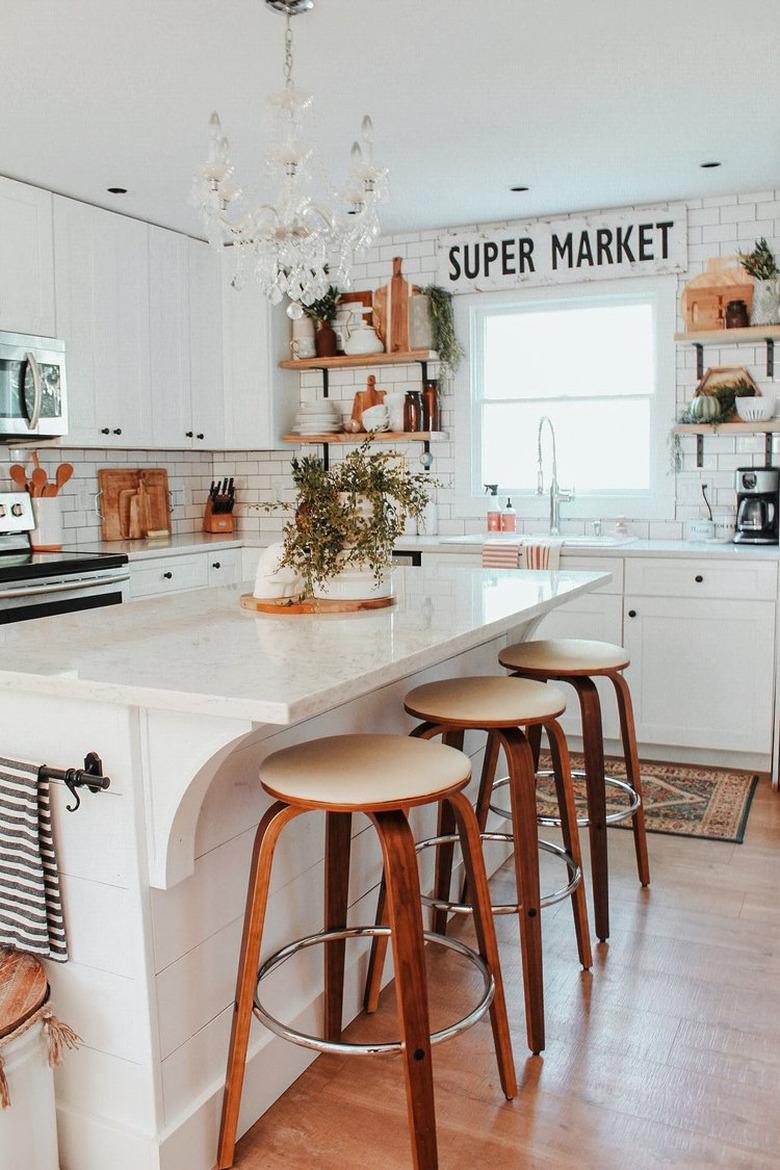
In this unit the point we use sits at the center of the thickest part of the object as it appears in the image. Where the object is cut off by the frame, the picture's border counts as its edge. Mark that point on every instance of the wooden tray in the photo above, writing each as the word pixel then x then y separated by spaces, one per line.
pixel 119 486
pixel 312 605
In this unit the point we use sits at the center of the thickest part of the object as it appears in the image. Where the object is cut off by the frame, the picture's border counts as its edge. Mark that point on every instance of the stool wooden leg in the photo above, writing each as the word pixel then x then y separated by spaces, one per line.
pixel 445 853
pixel 489 764
pixel 633 772
pixel 403 899
pixel 486 936
pixel 266 838
pixel 534 737
pixel 338 841
pixel 593 750
pixel 522 788
pixel 561 762
pixel 376 962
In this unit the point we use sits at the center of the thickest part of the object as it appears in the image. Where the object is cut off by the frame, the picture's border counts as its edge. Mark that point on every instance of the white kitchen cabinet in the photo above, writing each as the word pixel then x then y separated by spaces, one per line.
pixel 169 338
pixel 102 303
pixel 260 399
pixel 207 419
pixel 702 671
pixel 26 260
pixel 224 566
pixel 151 578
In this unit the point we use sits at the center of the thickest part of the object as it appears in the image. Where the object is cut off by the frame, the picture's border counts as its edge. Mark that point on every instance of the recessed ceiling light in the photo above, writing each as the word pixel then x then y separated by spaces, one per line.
pixel 708 166
pixel 117 190
pixel 519 188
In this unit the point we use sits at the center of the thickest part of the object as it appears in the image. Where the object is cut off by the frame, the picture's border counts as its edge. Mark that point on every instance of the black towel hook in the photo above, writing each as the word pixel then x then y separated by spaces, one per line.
pixel 90 776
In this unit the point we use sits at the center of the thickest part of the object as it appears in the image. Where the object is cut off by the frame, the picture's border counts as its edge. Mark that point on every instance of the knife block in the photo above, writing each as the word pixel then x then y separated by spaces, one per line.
pixel 217 521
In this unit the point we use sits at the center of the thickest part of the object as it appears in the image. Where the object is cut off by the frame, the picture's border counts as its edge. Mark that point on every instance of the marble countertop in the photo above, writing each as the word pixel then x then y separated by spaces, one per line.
pixel 199 652
pixel 171 546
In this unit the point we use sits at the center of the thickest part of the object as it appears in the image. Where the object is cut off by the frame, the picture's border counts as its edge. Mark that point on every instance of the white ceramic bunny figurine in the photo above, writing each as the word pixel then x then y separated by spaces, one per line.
pixel 274 581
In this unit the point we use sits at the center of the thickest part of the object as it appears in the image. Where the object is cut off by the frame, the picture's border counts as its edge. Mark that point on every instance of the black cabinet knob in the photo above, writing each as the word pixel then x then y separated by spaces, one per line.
pixel 698 578
pixel 105 431
pixel 632 613
pixel 168 576
pixel 217 565
pixel 189 434
pixel 117 430
pixel 200 435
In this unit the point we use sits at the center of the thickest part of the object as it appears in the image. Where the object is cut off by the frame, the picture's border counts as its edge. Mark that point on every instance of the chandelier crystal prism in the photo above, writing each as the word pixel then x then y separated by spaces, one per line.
pixel 296 247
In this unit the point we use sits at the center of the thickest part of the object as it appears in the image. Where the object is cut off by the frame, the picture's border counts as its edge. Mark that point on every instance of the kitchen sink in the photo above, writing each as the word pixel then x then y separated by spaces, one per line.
pixel 610 540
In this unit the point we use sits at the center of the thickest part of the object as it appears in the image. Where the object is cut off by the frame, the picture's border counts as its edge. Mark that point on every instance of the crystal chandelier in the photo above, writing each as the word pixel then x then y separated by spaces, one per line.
pixel 295 247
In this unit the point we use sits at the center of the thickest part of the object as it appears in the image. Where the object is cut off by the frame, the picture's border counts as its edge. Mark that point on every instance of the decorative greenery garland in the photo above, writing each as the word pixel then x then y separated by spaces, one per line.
pixel 445 342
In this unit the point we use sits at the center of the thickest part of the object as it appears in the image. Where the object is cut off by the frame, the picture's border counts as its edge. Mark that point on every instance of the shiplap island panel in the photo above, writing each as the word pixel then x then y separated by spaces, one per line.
pixel 183 697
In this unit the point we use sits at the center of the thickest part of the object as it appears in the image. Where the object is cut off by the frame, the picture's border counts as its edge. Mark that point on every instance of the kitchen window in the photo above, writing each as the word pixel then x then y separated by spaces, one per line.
pixel 598 359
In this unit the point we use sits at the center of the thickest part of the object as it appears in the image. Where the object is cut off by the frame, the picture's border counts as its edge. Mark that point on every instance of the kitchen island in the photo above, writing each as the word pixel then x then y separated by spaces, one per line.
pixel 182 697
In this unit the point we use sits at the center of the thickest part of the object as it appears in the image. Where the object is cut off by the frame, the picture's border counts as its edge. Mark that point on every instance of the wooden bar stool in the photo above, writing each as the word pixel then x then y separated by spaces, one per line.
pixel 382 776
pixel 501 706
pixel 577 661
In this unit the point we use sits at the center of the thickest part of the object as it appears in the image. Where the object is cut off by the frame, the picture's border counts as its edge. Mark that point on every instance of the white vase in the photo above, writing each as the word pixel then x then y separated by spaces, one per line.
pixel 766 303
pixel 302 344
pixel 394 401
pixel 420 322
pixel 355 584
pixel 47 535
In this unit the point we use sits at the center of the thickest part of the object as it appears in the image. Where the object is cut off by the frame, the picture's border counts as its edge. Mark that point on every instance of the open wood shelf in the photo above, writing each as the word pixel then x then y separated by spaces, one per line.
pixel 750 335
pixel 360 360
pixel 379 437
pixel 770 427
pixel 754 334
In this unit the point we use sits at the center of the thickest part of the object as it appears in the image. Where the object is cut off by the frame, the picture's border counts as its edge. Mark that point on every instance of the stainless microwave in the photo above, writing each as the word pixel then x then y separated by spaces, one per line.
pixel 33 388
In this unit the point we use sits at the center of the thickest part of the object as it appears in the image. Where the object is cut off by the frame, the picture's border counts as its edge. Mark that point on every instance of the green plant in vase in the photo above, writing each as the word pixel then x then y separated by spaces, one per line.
pixel 323 312
pixel 762 266
pixel 347 518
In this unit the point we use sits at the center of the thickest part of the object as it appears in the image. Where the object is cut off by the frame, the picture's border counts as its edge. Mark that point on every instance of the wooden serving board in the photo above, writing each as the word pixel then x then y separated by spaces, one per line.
pixel 391 310
pixel 312 605
pixel 134 501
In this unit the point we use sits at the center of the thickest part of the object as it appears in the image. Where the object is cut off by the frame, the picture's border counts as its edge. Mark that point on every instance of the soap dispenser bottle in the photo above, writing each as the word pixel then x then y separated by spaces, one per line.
pixel 508 517
pixel 494 511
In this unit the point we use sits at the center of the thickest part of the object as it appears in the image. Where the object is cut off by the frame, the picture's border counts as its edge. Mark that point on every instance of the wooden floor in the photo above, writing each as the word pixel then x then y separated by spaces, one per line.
pixel 666 1056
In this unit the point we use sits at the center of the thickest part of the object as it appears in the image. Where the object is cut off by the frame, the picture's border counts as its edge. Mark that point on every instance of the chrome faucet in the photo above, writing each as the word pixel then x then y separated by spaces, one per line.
pixel 557 497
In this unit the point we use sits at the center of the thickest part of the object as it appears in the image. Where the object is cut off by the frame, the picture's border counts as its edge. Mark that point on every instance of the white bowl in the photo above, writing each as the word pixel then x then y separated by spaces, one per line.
pixel 757 409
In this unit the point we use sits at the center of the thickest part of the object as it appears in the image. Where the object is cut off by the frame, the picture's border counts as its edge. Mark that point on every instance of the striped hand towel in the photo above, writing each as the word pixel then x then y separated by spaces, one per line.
pixel 501 554
pixel 30 904
pixel 542 554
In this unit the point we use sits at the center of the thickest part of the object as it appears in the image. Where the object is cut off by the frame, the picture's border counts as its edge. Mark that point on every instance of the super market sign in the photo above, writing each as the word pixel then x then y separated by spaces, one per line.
pixel 573 248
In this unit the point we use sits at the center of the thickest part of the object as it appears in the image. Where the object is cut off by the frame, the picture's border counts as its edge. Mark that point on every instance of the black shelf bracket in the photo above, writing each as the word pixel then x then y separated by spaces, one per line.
pixel 699 360
pixel 770 357
pixel 768 448
pixel 699 449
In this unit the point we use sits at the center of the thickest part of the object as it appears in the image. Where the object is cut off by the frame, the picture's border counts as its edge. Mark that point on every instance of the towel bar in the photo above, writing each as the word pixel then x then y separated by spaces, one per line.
pixel 90 776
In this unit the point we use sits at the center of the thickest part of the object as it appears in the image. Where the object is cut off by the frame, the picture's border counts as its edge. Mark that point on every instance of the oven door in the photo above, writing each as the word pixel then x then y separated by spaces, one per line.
pixel 23 602
pixel 33 399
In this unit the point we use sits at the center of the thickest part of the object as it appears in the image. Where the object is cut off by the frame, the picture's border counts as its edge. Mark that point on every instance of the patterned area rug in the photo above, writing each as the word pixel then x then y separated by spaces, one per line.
pixel 682 800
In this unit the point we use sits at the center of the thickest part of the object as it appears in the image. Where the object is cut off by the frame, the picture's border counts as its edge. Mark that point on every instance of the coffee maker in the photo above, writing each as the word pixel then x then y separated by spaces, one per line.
pixel 757 505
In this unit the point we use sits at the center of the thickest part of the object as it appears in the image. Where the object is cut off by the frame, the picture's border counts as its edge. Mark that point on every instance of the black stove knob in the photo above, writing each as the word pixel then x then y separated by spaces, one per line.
pixel 17 510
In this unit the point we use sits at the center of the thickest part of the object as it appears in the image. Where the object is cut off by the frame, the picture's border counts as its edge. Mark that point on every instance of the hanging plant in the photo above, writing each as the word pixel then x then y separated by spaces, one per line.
pixel 445 341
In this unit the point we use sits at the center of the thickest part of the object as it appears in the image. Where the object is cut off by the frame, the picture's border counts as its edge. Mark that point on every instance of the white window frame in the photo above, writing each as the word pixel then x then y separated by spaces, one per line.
pixel 659 501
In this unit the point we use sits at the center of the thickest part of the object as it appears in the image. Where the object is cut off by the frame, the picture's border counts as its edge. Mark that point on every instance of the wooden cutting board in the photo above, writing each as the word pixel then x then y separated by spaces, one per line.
pixel 391 310
pixel 365 398
pixel 133 502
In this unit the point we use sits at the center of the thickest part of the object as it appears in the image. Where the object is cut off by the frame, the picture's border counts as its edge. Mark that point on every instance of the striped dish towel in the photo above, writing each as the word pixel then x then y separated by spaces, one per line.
pixel 501 554
pixel 30 904
pixel 542 554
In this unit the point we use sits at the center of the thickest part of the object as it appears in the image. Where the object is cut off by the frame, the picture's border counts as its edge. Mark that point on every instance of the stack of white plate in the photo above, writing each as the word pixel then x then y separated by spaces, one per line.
pixel 318 418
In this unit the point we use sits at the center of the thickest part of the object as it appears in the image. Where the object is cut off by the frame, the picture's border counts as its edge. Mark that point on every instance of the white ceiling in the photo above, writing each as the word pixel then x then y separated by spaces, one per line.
pixel 591 103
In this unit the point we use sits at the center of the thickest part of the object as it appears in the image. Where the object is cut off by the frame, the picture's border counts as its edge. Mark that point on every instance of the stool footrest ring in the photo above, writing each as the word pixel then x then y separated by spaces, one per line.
pixel 342 1048
pixel 614 818
pixel 575 876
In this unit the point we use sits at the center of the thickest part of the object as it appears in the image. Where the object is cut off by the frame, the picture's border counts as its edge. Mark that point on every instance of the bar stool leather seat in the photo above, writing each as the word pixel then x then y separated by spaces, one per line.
pixel 571 656
pixel 485 701
pixel 370 772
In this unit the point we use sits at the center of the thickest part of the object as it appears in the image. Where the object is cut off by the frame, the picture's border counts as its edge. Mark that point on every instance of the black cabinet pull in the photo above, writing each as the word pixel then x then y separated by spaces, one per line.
pixel 698 578
pixel 117 430
pixel 189 434
pixel 217 565
pixel 632 613
pixel 200 435
pixel 168 576
pixel 105 431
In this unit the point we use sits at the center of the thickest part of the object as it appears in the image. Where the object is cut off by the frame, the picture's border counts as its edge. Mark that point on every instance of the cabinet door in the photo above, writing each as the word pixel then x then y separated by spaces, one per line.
pixel 26 260
pixel 260 399
pixel 102 301
pixel 597 616
pixel 702 672
pixel 169 331
pixel 205 296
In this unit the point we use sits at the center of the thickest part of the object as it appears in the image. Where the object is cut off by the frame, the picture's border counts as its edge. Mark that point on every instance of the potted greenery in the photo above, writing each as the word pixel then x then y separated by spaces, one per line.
pixel 346 520
pixel 762 266
pixel 323 311
pixel 442 319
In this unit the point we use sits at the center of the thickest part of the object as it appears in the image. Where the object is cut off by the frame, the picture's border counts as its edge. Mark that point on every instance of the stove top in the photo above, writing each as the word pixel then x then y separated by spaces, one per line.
pixel 27 565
